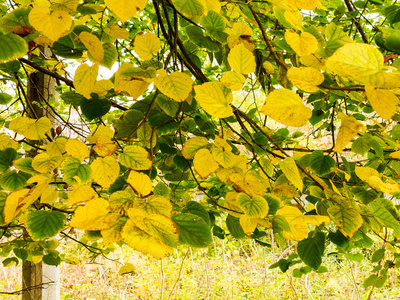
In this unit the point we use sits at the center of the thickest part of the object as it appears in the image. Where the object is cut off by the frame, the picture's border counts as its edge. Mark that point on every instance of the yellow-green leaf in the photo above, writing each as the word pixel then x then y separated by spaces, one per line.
pixel 256 207
pixel 44 163
pixel 155 204
pixel 289 168
pixel 347 220
pixel 242 60
pixel 85 79
pixel 146 44
pixel 204 163
pixel 105 171
pixel 33 129
pixel 347 130
pixel 193 145
pixel 303 44
pixel 125 9
pixel 136 158
pixel 356 60
pixel 384 102
pixel 287 108
pixel 93 44
pixel 306 79
pixel 248 223
pixel 214 98
pixel 125 81
pixel 52 25
pixel 176 85
pixel 224 157
pixel 49 195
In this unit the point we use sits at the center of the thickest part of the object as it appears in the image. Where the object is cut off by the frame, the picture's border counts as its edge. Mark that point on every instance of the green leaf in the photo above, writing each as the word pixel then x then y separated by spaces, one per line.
pixel 44 224
pixel 215 26
pixel 279 224
pixel 95 108
pixel 256 207
pixel 6 158
pixel 13 180
pixel 5 98
pixel 128 123
pixel 392 13
pixel 25 165
pixel 66 47
pixel 312 249
pixel 72 97
pixel 273 203
pixel 234 227
pixel 364 195
pixel 358 257
pixel 169 106
pixel 193 230
pixel 347 220
pixel 197 209
pixel 13 47
pixel 3 197
pixel 196 35
pixel 362 144
pixel 385 217
pixel 378 255
pixel 74 171
pixel 21 253
pixel 321 164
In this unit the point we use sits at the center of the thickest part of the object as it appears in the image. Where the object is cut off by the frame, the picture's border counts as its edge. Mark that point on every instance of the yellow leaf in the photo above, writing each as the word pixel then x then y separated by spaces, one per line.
pixel 316 220
pixel 356 60
pixel 105 146
pixel 384 102
pixel 304 4
pixel 44 163
pixel 204 163
pixel 85 79
pixel 176 85
pixel 214 5
pixel 7 142
pixel 298 226
pixel 306 79
pixel 117 32
pixel 155 204
pixel 233 80
pixel 37 259
pixel 289 168
pixel 347 130
pixel 313 61
pixel 102 86
pixel 94 215
pixel 295 19
pixel 140 183
pixel 364 173
pixel 100 131
pixel 214 98
pixel 240 28
pixel 81 193
pixel 11 204
pixel 193 145
pixel 242 60
pixel 113 234
pixel 93 44
pixel 286 190
pixel 67 5
pixel 248 223
pixel 287 108
pixel 105 171
pixel 143 242
pixel 128 268
pixel 269 68
pixel 387 187
pixel 136 158
pixel 146 44
pixel 49 195
pixel 125 9
pixel 304 44
pixel 251 183
pixel 56 148
pixel 77 149
pixel 33 129
pixel 125 82
pixel 51 25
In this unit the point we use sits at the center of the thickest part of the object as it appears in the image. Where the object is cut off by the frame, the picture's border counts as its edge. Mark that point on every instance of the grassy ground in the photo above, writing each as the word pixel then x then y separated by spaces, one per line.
pixel 228 270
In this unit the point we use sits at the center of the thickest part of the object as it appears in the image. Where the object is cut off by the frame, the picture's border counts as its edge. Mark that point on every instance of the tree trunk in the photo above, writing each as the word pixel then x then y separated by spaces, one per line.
pixel 40 281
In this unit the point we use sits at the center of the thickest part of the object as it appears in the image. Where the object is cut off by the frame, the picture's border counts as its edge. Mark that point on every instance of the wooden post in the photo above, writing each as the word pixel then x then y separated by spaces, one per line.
pixel 40 281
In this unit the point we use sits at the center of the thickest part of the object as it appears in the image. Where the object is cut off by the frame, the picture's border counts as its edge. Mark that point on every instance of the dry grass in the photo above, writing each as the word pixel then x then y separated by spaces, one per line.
pixel 229 270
